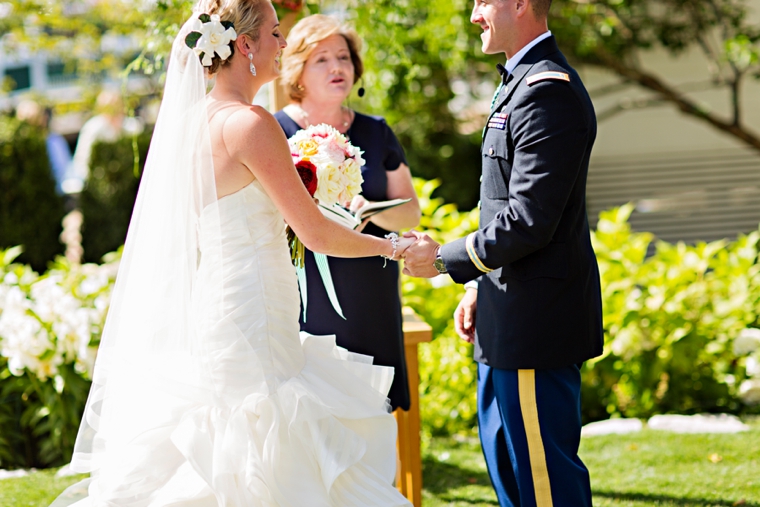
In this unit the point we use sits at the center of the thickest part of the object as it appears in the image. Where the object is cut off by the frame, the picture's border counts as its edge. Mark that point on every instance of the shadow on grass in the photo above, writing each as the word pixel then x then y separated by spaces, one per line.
pixel 695 502
pixel 441 477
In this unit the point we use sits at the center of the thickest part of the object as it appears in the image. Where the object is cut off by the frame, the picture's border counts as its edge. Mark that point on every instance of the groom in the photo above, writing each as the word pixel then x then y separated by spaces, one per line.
pixel 533 303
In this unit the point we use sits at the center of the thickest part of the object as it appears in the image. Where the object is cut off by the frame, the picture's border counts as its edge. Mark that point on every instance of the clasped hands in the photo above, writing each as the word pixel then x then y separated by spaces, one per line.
pixel 418 250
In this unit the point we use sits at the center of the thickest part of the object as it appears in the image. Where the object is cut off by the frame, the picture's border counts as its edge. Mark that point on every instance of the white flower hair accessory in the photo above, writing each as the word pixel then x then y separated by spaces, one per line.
pixel 210 35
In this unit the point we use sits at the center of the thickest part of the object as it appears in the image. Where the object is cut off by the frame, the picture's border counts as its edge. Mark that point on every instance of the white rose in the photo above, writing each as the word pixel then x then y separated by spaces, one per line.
pixel 330 183
pixel 353 179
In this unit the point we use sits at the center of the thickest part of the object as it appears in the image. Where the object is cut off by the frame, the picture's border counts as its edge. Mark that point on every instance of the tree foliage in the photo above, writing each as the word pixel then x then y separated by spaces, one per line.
pixel 425 70
pixel 418 54
pixel 615 34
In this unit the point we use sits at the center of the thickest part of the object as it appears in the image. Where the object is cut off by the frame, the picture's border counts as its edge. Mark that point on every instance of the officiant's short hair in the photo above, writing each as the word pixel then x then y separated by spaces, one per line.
pixel 302 40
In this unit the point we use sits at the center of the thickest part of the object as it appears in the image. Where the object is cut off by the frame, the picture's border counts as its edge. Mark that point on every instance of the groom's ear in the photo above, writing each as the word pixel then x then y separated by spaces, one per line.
pixel 522 7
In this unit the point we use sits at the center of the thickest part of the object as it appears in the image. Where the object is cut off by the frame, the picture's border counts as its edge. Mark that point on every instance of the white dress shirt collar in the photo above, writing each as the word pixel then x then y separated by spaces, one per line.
pixel 515 60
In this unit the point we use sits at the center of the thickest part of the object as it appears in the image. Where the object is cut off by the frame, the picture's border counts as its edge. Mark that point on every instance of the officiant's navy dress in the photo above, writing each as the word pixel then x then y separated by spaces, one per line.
pixel 368 292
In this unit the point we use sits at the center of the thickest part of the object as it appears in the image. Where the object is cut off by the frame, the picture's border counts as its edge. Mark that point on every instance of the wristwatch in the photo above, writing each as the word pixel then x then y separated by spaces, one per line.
pixel 438 264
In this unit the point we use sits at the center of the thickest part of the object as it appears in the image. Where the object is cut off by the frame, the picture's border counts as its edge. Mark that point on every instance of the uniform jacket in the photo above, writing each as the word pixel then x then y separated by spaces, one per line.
pixel 539 298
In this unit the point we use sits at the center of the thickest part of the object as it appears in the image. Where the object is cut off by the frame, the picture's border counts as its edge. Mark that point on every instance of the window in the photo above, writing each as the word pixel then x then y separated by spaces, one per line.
pixel 60 73
pixel 19 78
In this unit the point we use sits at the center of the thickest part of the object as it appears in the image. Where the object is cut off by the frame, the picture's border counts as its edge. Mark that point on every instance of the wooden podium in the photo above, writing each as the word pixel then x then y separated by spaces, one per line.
pixel 409 470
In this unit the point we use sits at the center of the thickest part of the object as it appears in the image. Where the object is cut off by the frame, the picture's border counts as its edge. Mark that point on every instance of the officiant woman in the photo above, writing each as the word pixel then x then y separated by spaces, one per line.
pixel 320 67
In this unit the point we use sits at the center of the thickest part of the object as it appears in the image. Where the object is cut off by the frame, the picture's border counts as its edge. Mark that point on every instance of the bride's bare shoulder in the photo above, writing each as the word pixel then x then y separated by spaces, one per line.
pixel 252 125
pixel 253 137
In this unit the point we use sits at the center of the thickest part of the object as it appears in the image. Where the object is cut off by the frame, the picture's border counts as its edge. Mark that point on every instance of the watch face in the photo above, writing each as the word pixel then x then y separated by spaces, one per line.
pixel 440 266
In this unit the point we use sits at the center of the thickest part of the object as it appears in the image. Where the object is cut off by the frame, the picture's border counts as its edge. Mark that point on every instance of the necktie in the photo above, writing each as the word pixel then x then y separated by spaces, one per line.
pixel 503 86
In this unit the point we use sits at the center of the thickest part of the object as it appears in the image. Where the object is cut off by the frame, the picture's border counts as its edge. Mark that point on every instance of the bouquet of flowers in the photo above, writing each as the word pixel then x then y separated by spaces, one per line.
pixel 330 168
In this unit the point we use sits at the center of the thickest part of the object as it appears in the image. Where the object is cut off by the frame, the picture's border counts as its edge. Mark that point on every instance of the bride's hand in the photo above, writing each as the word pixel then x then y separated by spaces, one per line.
pixel 403 244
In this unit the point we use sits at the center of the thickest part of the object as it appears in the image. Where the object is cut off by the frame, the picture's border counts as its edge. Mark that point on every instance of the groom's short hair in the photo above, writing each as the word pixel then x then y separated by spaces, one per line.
pixel 541 8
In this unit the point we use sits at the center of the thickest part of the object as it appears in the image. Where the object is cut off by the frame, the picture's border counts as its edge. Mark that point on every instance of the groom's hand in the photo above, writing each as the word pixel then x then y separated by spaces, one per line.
pixel 464 316
pixel 419 258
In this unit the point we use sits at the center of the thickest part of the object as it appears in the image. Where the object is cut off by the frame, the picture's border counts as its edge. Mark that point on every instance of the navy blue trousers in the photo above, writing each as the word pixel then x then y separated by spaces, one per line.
pixel 530 430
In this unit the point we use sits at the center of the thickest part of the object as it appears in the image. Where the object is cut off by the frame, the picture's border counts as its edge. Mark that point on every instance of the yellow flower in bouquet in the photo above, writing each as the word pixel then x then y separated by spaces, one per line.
pixel 308 147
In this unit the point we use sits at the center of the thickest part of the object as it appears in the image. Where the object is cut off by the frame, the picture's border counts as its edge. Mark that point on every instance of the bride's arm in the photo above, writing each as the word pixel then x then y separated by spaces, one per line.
pixel 254 137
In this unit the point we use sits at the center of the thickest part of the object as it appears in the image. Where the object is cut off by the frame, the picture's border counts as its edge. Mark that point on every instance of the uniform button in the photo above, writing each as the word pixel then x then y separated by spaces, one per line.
pixel 490 151
pixel 480 205
pixel 481 178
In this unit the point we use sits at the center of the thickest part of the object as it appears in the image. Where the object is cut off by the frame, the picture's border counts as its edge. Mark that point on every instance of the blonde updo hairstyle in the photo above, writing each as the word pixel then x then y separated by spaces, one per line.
pixel 246 17
pixel 302 40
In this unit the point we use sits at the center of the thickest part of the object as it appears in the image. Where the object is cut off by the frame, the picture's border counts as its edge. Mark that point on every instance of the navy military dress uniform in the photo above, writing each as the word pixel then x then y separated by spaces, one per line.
pixel 539 313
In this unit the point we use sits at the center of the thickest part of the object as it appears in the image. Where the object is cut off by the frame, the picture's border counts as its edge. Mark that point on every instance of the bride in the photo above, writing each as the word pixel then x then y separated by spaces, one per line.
pixel 204 393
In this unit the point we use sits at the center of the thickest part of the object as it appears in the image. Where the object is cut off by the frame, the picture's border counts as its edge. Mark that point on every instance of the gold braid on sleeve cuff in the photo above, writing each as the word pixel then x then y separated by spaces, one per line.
pixel 474 256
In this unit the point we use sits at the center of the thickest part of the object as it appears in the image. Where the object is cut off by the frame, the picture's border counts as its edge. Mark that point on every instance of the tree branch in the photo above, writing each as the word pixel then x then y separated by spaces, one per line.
pixel 605 90
pixel 685 105
pixel 628 105
pixel 734 83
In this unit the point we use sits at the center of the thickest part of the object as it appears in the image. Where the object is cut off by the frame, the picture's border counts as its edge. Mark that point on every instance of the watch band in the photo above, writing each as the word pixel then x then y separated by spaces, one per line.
pixel 438 263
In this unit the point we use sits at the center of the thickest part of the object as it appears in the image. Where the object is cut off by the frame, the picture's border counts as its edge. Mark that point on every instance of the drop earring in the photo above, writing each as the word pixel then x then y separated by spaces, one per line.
pixel 253 67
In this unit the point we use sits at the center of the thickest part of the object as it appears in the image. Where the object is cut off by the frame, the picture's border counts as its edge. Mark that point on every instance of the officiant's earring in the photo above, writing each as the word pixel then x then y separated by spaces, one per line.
pixel 253 67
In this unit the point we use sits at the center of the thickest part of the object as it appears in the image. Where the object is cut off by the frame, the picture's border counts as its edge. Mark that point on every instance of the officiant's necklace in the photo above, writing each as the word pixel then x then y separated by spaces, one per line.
pixel 345 112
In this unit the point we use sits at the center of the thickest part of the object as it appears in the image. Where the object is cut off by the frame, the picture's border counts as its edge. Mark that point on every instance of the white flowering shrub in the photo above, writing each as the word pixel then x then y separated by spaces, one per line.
pixel 747 345
pixel 50 326
pixel 681 325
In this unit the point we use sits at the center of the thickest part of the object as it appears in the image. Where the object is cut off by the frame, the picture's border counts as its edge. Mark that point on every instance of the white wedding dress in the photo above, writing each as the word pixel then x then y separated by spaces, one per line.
pixel 204 393
pixel 291 420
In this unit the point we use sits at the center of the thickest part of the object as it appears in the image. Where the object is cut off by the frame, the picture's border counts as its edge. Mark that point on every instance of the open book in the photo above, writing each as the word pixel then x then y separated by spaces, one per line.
pixel 346 218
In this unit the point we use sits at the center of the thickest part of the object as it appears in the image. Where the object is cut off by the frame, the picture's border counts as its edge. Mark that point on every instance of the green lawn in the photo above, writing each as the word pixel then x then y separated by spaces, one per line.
pixel 38 489
pixel 646 469
pixel 640 470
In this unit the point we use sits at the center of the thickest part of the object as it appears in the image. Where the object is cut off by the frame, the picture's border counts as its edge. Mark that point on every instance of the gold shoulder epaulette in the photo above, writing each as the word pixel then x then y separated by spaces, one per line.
pixel 542 76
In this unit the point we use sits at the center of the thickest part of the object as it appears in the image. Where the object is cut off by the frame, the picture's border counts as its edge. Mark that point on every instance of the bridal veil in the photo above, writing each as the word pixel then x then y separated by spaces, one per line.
pixel 148 360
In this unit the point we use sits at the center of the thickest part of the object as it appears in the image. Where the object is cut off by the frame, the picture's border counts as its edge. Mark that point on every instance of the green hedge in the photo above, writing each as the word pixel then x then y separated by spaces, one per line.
pixel 109 194
pixel 30 210
pixel 671 322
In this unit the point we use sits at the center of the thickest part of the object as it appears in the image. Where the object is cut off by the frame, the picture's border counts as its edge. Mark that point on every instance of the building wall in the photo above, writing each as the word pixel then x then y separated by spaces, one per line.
pixel 688 180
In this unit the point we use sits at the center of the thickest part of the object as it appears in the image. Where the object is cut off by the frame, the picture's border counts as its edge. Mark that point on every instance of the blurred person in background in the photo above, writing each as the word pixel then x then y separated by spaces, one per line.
pixel 109 124
pixel 58 150
pixel 321 64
